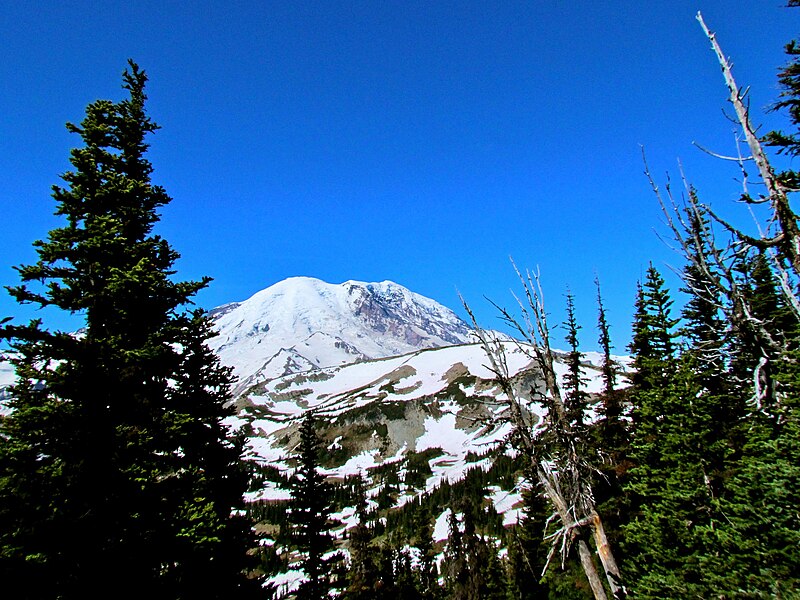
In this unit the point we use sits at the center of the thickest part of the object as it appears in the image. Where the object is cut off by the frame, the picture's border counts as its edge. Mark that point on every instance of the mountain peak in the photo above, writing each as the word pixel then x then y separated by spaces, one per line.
pixel 304 323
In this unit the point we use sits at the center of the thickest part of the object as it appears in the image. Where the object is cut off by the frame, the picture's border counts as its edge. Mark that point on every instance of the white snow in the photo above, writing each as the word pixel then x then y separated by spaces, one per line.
pixel 286 583
pixel 7 375
pixel 441 528
pixel 303 323
pixel 508 504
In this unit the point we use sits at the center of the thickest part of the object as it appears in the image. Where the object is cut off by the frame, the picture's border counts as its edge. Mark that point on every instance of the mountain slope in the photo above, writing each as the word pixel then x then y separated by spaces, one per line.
pixel 377 412
pixel 303 323
pixel 415 429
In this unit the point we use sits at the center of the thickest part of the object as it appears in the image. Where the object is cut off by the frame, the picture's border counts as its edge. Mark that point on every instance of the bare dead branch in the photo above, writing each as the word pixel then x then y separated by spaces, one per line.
pixel 789 240
pixel 736 159
pixel 566 476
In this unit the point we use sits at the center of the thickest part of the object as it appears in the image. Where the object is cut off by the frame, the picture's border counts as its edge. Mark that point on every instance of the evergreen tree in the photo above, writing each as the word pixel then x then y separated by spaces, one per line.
pixel 678 451
pixel 707 355
pixel 471 568
pixel 757 342
pixel 115 464
pixel 454 562
pixel 655 365
pixel 653 345
pixel 309 515
pixel 789 80
pixel 758 541
pixel 611 430
pixel 609 368
pixel 527 551
pixel 428 572
pixel 576 399
pixel 362 577
pixel 610 435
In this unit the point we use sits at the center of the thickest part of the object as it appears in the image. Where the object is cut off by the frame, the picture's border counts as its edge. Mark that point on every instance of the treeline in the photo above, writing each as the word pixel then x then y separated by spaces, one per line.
pixel 390 551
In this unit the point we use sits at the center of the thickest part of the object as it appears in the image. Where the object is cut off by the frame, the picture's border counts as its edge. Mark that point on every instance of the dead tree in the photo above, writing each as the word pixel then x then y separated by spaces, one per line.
pixel 561 470
pixel 781 238
pixel 718 283
pixel 691 225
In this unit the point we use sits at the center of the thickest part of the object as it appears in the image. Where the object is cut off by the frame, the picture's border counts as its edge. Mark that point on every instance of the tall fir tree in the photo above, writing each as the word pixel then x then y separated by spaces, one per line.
pixel 707 354
pixel 527 551
pixel 115 463
pixel 362 577
pixel 678 450
pixel 309 515
pixel 610 433
pixel 576 399
pixel 653 536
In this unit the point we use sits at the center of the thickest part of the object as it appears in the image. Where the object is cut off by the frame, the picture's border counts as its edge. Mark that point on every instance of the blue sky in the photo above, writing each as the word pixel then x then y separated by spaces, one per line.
pixel 421 142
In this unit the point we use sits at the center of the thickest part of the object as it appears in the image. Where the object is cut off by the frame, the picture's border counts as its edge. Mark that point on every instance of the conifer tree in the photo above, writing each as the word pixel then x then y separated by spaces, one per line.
pixel 758 541
pixel 610 433
pixel 759 545
pixel 609 368
pixel 428 572
pixel 454 562
pixel 362 576
pixel 611 430
pixel 472 570
pixel 309 515
pixel 115 464
pixel 576 399
pixel 678 455
pixel 716 409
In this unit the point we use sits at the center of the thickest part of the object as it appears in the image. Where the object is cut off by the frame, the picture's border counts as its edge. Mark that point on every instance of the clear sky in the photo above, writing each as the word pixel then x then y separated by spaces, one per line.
pixel 420 142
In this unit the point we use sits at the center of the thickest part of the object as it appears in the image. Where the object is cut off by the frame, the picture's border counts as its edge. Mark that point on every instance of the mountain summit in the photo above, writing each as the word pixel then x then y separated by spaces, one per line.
pixel 303 323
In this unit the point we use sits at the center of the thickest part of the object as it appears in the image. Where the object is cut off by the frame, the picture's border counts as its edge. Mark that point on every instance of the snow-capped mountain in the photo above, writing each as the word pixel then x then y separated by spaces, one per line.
pixel 302 324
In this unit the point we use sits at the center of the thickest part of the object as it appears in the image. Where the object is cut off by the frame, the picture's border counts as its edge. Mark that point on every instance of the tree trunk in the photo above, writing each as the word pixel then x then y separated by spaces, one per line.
pixel 606 556
pixel 591 572
pixel 570 526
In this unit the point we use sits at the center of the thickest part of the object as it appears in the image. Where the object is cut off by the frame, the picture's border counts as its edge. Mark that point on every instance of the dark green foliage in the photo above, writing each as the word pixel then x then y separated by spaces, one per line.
pixel 759 342
pixel 653 345
pixel 789 80
pixel 527 550
pixel 611 437
pixel 669 493
pixel 609 368
pixel 115 459
pixel 384 570
pixel 716 410
pixel 760 543
pixel 576 399
pixel 707 495
pixel 667 488
pixel 362 576
pixel 471 568
pixel 610 431
pixel 309 515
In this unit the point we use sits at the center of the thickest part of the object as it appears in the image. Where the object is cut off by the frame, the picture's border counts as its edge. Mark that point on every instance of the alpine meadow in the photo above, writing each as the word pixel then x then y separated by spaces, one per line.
pixel 362 441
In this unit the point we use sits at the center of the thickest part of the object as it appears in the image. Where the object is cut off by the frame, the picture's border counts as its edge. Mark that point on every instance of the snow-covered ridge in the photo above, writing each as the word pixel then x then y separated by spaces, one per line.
pixel 303 323
pixel 440 408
